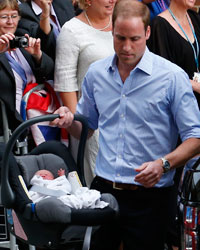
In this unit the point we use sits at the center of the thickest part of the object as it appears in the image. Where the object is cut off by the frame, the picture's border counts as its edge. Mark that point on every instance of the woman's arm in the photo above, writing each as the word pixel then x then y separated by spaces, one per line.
pixel 45 16
pixel 66 67
pixel 69 99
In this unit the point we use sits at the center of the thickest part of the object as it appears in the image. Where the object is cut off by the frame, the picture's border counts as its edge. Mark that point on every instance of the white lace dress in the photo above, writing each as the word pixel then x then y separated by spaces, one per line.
pixel 79 45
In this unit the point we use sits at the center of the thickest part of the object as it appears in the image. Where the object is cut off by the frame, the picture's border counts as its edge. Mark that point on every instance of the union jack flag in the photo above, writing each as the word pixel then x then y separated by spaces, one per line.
pixel 40 99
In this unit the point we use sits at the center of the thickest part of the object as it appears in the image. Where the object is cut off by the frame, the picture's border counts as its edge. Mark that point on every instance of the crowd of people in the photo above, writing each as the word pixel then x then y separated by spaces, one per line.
pixel 132 68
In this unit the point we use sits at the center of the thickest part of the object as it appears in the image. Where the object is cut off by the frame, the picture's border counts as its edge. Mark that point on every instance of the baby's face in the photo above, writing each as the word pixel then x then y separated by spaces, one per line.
pixel 45 174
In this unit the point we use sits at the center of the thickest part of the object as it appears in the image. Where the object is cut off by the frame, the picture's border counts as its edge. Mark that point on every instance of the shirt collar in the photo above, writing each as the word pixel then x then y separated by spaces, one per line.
pixel 145 64
pixel 113 62
pixel 36 8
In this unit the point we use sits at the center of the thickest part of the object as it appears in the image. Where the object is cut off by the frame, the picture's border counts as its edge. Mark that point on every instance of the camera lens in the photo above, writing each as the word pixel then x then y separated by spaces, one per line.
pixel 23 42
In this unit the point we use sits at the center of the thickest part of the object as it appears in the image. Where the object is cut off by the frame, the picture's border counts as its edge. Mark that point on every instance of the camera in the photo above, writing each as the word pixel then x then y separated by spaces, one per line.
pixel 19 42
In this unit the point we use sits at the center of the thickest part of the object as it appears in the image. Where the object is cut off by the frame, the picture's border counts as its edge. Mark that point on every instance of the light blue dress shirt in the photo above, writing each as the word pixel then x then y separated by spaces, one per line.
pixel 139 120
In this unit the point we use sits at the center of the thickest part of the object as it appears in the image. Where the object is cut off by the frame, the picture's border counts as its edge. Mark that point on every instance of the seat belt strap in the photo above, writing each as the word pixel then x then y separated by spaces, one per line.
pixel 47 191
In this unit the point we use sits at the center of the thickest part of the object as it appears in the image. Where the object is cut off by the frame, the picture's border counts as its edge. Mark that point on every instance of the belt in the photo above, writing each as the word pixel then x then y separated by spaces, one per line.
pixel 120 186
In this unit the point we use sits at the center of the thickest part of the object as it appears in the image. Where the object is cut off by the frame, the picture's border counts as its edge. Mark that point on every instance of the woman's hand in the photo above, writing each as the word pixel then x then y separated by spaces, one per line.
pixel 34 48
pixel 195 86
pixel 46 7
pixel 45 16
pixel 5 41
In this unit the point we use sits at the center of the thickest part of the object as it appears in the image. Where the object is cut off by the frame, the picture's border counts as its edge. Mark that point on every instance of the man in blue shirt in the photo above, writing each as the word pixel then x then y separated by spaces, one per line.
pixel 140 102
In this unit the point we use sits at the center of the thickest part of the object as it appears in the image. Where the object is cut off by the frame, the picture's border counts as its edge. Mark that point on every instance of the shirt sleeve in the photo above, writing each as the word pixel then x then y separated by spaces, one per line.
pixel 86 105
pixel 184 106
pixel 67 52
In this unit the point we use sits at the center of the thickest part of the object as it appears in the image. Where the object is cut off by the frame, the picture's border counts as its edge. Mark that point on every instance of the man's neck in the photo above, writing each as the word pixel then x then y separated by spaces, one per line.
pixel 124 72
pixel 124 69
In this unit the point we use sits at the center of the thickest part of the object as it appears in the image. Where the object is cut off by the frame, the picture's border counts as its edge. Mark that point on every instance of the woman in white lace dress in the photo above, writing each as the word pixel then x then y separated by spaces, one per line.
pixel 83 40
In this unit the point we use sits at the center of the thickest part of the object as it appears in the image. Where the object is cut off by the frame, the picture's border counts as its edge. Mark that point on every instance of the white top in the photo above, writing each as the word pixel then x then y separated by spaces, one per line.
pixel 78 45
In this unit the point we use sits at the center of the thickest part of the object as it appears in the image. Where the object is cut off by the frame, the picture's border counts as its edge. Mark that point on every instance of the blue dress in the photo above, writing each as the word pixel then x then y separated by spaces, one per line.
pixel 157 7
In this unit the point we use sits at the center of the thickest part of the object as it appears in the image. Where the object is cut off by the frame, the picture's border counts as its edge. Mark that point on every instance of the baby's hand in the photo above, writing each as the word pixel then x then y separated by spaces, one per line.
pixel 61 172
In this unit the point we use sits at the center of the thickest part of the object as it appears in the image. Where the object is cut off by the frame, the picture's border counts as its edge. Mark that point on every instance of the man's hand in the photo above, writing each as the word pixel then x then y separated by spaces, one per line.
pixel 149 173
pixel 66 118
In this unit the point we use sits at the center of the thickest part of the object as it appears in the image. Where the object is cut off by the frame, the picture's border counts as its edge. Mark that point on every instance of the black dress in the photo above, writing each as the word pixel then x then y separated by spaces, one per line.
pixel 167 42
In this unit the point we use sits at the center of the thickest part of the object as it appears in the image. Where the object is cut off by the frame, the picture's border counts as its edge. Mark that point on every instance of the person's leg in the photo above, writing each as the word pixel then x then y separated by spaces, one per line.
pixel 107 237
pixel 144 217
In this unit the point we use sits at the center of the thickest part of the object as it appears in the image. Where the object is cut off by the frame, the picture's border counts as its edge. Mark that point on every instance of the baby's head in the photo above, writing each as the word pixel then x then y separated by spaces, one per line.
pixel 45 174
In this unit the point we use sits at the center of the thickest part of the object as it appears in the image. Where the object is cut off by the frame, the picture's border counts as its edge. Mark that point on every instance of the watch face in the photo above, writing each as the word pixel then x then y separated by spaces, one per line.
pixel 166 165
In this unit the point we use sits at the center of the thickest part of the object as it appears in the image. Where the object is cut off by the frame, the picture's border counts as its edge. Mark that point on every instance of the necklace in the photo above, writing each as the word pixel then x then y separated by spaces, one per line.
pixel 196 52
pixel 88 20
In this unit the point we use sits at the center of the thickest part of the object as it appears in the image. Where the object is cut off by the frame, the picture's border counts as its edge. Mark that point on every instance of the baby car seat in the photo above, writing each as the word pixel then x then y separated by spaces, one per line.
pixel 49 223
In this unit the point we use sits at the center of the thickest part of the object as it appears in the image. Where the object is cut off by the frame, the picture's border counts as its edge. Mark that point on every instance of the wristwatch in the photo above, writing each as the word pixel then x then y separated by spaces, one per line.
pixel 166 165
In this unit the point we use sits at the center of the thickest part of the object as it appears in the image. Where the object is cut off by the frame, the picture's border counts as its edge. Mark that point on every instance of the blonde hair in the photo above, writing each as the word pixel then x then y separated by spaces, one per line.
pixel 83 4
pixel 131 8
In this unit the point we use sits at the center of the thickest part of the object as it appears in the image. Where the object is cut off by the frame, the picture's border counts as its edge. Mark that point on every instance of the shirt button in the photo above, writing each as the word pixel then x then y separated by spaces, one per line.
pixel 122 115
pixel 120 156
pixel 123 96
pixel 120 135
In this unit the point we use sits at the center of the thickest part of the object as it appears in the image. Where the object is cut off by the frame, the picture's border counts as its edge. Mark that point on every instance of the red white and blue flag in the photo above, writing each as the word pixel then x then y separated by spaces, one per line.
pixel 41 100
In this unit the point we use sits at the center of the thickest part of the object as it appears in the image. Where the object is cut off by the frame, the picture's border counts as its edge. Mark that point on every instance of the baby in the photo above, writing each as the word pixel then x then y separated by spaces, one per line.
pixel 45 178
pixel 81 198
pixel 47 175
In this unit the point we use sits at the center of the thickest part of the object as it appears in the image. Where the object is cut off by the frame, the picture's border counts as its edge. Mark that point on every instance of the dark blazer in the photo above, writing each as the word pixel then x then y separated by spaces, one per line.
pixel 30 23
pixel 42 72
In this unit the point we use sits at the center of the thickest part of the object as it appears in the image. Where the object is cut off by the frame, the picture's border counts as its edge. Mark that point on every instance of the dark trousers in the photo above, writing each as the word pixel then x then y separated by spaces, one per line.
pixel 144 217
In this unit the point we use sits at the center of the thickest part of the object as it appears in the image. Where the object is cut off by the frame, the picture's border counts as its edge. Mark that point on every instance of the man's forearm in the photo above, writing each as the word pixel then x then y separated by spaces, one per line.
pixel 184 152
